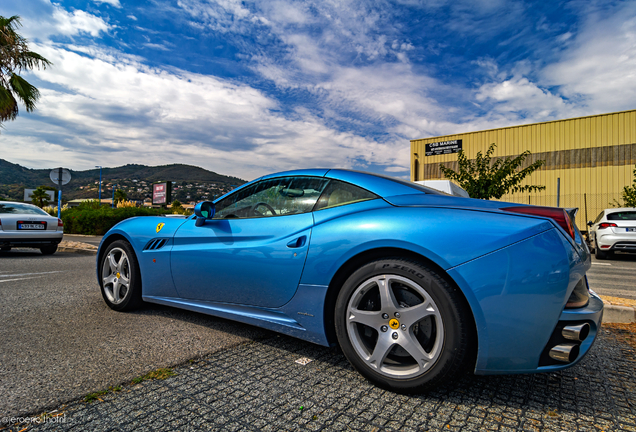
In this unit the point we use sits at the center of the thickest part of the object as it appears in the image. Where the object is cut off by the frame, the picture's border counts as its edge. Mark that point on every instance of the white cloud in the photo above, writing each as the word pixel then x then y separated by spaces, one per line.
pixel 114 3
pixel 519 95
pixel 114 111
pixel 62 22
pixel 599 68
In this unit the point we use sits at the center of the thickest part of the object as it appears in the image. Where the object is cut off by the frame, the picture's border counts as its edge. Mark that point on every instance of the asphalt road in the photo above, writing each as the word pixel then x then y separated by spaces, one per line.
pixel 615 276
pixel 60 341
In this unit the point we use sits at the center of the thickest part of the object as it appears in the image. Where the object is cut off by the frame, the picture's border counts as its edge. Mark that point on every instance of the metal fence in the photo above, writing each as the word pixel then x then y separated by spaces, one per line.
pixel 589 205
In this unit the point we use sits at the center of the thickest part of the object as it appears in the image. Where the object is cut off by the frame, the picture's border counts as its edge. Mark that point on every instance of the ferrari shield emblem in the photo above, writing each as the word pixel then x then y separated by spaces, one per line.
pixel 159 226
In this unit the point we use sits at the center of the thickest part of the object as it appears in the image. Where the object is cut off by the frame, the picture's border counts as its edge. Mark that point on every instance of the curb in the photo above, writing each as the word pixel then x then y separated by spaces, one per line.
pixel 619 314
pixel 77 250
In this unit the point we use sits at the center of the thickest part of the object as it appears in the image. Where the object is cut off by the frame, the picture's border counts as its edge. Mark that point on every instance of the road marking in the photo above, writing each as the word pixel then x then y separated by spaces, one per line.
pixel 601 264
pixel 29 274
pixel 11 280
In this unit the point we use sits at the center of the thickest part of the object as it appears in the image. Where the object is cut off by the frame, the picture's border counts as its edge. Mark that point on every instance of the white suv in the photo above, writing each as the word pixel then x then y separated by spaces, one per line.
pixel 613 230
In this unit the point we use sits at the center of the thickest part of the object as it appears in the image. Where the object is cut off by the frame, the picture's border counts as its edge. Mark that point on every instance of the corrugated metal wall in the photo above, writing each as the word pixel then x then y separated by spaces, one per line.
pixel 593 156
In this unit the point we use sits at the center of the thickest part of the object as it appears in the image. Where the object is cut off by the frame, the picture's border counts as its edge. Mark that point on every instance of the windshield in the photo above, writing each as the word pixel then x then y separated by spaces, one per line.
pixel 17 208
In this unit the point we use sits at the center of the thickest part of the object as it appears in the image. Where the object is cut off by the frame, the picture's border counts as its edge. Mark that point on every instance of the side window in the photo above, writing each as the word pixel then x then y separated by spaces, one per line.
pixel 272 197
pixel 338 193
pixel 599 217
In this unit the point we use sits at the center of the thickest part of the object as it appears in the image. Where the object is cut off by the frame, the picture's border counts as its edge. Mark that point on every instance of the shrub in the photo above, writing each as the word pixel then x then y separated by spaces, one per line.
pixel 97 221
pixel 53 210
pixel 125 203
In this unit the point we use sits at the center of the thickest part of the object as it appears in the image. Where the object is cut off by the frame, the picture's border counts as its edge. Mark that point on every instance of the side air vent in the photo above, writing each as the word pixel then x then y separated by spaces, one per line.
pixel 155 244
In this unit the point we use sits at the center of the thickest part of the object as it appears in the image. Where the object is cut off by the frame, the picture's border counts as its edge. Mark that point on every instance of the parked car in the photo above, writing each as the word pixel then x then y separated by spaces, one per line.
pixel 613 230
pixel 414 285
pixel 26 225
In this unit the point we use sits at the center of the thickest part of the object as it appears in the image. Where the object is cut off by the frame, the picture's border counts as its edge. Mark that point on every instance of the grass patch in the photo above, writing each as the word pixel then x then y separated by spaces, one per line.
pixel 92 397
pixel 159 374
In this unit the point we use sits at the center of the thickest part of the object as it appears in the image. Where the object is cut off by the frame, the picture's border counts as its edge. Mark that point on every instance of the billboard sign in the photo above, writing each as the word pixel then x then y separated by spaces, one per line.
pixel 161 193
pixel 29 192
pixel 443 147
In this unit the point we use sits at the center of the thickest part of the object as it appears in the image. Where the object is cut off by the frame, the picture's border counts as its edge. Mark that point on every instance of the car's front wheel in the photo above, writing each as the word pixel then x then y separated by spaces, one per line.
pixel 402 325
pixel 119 277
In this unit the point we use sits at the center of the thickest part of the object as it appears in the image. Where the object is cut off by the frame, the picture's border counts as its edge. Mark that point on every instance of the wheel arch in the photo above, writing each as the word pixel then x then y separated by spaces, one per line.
pixel 355 262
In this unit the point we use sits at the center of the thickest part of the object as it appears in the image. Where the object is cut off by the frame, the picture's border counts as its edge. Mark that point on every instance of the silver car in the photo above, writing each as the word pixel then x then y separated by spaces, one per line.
pixel 26 225
pixel 613 230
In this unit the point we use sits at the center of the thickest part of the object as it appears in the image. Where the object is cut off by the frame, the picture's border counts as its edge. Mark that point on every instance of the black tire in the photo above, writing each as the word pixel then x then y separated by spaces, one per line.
pixel 600 255
pixel 118 295
pixel 445 337
pixel 48 250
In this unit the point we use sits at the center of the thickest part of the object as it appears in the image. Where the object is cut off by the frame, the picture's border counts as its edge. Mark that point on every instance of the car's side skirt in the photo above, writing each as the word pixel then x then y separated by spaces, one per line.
pixel 303 320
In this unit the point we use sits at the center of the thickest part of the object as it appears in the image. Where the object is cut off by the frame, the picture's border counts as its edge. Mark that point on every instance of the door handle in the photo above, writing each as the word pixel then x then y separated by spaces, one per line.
pixel 299 242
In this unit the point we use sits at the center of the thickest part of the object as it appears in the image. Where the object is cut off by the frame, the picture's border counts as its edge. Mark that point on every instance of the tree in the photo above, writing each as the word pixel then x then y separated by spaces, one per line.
pixel 16 57
pixel 485 179
pixel 177 208
pixel 39 197
pixel 629 193
pixel 120 195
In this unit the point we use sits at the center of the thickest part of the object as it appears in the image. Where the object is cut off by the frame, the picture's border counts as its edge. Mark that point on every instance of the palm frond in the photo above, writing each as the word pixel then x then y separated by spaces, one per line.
pixel 8 105
pixel 27 93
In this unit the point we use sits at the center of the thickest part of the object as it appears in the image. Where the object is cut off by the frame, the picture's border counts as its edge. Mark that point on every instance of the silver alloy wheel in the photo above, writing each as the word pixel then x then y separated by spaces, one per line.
pixel 396 325
pixel 116 275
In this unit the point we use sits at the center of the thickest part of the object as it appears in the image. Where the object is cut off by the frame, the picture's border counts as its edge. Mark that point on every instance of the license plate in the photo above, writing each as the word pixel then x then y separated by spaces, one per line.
pixel 631 229
pixel 31 225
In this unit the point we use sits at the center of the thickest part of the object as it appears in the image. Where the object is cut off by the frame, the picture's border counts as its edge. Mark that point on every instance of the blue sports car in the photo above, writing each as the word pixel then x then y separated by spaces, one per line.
pixel 414 285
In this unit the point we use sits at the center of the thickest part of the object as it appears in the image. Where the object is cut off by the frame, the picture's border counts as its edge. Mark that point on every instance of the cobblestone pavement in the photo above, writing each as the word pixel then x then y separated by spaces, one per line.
pixel 259 386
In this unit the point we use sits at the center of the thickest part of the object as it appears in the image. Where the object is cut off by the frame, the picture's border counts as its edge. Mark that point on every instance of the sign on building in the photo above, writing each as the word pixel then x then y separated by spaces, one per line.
pixel 161 193
pixel 443 147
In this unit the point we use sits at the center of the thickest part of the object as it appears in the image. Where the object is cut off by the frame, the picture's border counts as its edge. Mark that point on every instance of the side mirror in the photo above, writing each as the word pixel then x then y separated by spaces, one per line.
pixel 590 223
pixel 204 210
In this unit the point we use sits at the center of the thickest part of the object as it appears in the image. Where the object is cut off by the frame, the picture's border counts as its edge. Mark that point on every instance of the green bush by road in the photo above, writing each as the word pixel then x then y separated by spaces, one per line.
pixel 96 220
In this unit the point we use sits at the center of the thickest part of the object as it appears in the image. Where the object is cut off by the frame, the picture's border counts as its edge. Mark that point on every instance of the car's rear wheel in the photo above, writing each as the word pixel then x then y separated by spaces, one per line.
pixel 119 277
pixel 402 325
pixel 48 250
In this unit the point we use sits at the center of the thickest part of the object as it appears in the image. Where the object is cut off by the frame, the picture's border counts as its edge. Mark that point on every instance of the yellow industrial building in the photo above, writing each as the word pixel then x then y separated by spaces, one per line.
pixel 589 159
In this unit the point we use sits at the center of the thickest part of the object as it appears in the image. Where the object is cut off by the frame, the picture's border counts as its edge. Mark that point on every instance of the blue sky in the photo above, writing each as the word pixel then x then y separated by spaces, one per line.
pixel 247 88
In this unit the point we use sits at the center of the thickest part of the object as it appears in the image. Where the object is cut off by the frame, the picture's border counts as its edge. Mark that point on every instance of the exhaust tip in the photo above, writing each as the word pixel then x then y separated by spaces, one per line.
pixel 566 353
pixel 576 332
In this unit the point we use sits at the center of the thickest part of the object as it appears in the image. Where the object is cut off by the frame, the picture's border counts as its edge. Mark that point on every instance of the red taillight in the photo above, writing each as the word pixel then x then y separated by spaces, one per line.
pixel 559 215
pixel 606 225
pixel 59 222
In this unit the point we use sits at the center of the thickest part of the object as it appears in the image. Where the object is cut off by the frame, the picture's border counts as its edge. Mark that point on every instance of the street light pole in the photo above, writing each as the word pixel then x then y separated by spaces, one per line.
pixel 100 184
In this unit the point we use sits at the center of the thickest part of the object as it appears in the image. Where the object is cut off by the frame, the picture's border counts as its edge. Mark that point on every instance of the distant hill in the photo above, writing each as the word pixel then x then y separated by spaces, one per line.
pixel 15 178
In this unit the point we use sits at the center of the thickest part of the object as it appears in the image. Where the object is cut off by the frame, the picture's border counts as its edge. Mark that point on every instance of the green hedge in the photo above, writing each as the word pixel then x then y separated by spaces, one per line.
pixel 92 220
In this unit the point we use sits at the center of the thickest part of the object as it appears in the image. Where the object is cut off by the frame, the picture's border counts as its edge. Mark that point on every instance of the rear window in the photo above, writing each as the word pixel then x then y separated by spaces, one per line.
pixel 624 215
pixel 16 208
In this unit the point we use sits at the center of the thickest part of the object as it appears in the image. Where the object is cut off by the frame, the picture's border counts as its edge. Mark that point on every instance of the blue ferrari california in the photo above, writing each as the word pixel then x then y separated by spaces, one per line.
pixel 414 285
